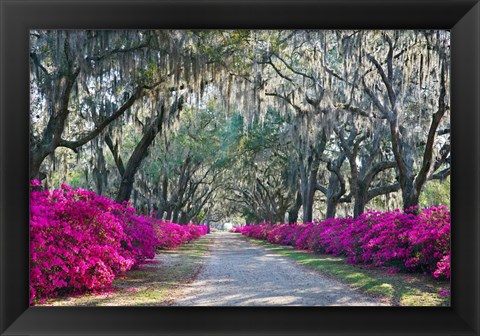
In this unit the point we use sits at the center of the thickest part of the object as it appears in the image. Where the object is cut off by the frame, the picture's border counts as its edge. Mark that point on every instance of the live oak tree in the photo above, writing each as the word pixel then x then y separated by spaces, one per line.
pixel 83 81
pixel 193 124
pixel 414 69
pixel 127 172
pixel 415 80
pixel 81 78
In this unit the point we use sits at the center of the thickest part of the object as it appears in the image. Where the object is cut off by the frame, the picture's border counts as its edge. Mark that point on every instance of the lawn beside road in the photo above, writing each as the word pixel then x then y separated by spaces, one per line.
pixel 399 289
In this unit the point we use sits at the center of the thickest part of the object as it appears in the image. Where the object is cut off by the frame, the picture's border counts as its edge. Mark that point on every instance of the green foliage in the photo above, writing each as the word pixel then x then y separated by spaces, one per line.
pixel 436 192
pixel 149 73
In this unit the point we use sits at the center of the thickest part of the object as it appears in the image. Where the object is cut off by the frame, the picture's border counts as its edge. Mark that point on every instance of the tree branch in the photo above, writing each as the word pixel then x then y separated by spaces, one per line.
pixel 372 193
pixel 74 144
pixel 441 175
pixel 118 51
pixel 436 118
pixel 379 167
pixel 116 154
pixel 292 69
pixel 346 199
pixel 36 61
pixel 388 84
pixel 321 188
pixel 277 70
pixel 353 109
pixel 376 101
pixel 274 94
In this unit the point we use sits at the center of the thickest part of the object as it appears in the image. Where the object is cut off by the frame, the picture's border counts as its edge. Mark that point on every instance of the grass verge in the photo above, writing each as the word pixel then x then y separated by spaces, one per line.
pixel 155 283
pixel 398 289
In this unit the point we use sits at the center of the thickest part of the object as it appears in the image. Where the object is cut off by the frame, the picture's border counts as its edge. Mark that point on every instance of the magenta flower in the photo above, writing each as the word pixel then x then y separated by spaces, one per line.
pixel 81 241
pixel 401 241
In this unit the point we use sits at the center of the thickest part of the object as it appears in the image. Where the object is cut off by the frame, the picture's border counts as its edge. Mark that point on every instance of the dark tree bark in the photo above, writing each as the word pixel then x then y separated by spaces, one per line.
pixel 100 173
pixel 294 209
pixel 175 215
pixel 183 219
pixel 362 177
pixel 163 204
pixel 383 190
pixel 308 176
pixel 51 137
pixel 169 211
pixel 116 155
pixel 336 186
pixel 309 191
pixel 177 200
pixel 141 151
pixel 360 199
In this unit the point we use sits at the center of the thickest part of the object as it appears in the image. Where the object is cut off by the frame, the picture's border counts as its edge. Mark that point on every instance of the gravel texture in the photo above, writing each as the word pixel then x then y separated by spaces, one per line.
pixel 240 273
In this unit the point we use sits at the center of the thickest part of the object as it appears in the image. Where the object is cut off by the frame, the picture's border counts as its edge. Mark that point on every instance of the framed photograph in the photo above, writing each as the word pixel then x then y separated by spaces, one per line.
pixel 139 139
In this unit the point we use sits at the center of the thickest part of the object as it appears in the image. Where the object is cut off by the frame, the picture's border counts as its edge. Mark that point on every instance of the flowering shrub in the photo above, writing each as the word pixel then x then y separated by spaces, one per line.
pixel 171 235
pixel 80 241
pixel 396 239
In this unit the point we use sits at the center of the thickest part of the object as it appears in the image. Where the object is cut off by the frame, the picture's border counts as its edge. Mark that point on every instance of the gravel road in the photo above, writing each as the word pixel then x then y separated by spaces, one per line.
pixel 240 273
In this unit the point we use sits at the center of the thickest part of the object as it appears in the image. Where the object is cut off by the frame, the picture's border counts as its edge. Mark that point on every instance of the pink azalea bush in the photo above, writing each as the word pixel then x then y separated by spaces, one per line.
pixel 396 239
pixel 80 241
pixel 171 235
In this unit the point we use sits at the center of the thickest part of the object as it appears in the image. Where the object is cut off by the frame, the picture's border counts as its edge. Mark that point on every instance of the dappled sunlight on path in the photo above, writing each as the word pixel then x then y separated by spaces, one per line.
pixel 239 273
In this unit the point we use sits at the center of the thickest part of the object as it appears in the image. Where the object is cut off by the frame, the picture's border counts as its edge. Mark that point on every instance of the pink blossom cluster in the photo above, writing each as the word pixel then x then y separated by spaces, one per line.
pixel 80 241
pixel 398 240
pixel 171 235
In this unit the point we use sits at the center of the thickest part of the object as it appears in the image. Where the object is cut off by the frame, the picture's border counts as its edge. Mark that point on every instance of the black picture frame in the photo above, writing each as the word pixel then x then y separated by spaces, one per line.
pixel 17 17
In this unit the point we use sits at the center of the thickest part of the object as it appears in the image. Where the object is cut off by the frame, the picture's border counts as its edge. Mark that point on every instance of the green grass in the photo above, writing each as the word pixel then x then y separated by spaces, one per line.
pixel 153 284
pixel 398 289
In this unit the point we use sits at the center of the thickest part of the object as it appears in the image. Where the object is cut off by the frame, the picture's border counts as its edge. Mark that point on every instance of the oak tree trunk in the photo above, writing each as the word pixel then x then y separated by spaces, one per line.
pixel 293 211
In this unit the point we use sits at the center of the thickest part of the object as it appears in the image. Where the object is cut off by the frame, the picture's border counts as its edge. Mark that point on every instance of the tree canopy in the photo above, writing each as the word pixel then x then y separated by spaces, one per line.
pixel 264 125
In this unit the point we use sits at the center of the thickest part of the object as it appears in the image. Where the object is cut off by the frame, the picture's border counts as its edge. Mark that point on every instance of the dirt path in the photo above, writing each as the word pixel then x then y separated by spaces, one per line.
pixel 240 273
